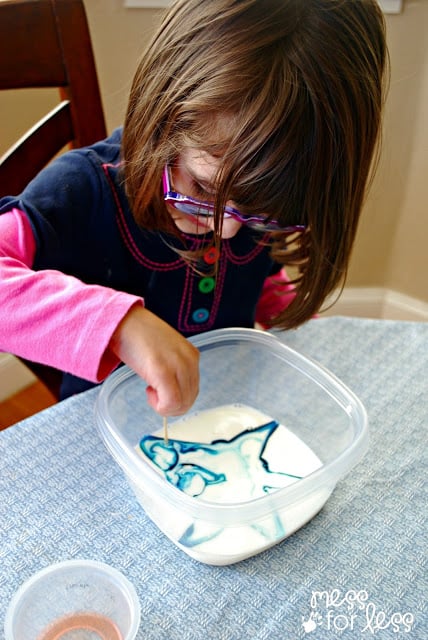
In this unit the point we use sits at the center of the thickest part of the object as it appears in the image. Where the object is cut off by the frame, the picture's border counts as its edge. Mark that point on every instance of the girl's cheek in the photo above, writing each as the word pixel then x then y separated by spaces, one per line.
pixel 230 228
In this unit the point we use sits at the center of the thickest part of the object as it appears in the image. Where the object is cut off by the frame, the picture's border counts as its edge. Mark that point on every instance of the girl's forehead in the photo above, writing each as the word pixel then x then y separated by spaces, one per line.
pixel 202 163
pixel 213 134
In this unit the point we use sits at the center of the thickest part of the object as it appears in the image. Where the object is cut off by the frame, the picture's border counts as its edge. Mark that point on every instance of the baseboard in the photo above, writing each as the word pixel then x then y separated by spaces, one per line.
pixel 377 302
pixel 14 376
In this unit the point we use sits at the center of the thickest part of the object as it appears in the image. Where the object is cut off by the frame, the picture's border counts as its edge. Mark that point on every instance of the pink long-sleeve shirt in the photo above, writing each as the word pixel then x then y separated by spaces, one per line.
pixel 70 324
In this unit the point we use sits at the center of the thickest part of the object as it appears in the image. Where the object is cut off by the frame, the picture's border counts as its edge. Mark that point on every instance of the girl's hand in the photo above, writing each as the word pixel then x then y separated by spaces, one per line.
pixel 162 357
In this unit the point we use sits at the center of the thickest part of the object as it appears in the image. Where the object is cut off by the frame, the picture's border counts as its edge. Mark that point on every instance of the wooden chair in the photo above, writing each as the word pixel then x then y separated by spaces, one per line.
pixel 46 43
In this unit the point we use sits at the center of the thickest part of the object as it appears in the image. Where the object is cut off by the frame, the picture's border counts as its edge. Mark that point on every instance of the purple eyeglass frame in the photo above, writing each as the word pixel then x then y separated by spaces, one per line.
pixel 193 207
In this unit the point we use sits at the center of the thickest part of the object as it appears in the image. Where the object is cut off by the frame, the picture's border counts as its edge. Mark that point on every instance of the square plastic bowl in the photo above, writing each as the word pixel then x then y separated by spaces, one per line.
pixel 284 428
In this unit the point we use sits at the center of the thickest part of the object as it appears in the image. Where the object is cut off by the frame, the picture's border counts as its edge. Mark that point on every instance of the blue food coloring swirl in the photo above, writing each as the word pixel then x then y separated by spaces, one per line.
pixel 192 467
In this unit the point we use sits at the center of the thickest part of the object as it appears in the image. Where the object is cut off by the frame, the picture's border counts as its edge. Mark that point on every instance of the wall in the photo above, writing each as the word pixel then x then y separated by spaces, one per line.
pixel 390 247
pixel 407 268
pixel 119 37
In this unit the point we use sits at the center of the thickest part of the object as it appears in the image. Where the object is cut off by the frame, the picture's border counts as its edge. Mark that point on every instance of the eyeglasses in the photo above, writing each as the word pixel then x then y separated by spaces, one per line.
pixel 194 207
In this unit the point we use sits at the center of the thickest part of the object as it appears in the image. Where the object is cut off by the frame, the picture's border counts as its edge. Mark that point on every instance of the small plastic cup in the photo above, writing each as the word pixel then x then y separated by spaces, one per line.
pixel 80 599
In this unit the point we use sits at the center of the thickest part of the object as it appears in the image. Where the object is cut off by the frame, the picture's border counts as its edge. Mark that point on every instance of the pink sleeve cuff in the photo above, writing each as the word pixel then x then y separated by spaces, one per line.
pixel 276 295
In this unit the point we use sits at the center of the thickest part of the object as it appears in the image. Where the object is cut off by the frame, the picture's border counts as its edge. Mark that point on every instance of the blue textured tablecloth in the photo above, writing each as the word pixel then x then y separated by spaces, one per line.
pixel 62 496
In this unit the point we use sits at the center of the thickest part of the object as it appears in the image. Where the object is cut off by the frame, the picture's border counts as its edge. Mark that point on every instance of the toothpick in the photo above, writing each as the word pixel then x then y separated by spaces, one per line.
pixel 165 429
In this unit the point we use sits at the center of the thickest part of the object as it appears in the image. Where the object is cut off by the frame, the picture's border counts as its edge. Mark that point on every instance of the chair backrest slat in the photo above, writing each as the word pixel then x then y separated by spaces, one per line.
pixel 30 49
pixel 46 43
pixel 37 147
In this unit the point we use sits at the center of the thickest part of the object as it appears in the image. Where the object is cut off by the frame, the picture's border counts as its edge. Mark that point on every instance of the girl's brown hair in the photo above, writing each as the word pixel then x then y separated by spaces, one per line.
pixel 300 86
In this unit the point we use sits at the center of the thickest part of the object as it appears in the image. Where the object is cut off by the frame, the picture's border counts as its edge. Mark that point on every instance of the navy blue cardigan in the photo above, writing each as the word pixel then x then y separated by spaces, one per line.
pixel 83 226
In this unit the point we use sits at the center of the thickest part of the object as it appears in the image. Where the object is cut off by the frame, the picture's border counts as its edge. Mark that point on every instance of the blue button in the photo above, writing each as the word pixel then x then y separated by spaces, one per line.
pixel 206 285
pixel 200 315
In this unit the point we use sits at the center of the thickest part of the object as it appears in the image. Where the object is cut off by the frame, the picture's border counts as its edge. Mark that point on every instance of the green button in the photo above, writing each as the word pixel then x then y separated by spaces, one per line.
pixel 206 285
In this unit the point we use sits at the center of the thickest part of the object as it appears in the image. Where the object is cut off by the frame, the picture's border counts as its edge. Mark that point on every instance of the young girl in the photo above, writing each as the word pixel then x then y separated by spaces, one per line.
pixel 247 146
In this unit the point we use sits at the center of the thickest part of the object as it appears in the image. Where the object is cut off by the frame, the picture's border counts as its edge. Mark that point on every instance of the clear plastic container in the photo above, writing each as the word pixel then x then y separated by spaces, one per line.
pixel 248 368
pixel 74 599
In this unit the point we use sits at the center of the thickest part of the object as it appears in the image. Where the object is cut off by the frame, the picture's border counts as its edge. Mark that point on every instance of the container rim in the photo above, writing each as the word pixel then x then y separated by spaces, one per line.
pixel 242 512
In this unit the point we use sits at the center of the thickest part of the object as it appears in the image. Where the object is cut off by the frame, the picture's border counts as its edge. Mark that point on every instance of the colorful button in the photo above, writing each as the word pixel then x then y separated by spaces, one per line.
pixel 206 285
pixel 211 255
pixel 200 315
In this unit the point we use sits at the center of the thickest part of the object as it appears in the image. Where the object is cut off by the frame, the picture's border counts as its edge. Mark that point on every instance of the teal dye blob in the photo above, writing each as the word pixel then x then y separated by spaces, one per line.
pixel 194 466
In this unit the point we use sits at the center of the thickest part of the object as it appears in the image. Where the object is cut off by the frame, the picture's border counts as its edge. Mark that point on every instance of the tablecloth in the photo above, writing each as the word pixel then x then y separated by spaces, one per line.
pixel 356 570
